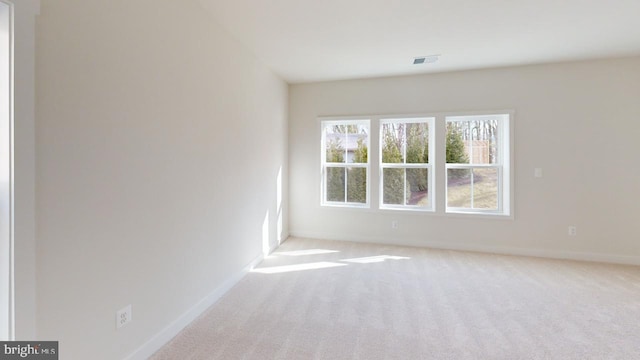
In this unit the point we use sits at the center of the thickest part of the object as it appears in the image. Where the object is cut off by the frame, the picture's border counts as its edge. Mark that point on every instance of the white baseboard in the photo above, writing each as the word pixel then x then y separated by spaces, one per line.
pixel 156 342
pixel 543 253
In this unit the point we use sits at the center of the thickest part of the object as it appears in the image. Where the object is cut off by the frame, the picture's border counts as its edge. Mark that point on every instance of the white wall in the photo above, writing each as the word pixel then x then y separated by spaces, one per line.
pixel 577 121
pixel 159 142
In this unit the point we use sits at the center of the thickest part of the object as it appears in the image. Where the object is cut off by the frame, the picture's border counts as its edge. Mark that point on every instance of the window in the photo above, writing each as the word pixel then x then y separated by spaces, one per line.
pixel 442 163
pixel 405 166
pixel 345 163
pixel 477 163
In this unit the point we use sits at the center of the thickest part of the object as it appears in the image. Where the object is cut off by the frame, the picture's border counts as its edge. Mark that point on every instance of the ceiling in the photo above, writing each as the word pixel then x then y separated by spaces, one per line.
pixel 318 40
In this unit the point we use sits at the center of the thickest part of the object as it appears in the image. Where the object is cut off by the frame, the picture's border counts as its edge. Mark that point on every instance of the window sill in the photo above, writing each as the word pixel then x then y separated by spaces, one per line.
pixel 346 206
pixel 421 212
pixel 478 215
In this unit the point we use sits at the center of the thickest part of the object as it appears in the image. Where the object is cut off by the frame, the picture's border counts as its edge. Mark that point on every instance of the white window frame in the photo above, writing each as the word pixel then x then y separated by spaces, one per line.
pixel 503 165
pixel 7 230
pixel 438 173
pixel 430 121
pixel 325 164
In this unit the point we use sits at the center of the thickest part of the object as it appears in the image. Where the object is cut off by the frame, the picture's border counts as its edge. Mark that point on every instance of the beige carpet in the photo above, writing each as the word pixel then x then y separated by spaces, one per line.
pixel 363 301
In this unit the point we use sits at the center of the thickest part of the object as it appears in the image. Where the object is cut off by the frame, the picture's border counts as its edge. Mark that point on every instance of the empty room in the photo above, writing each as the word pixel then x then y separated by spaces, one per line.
pixel 297 179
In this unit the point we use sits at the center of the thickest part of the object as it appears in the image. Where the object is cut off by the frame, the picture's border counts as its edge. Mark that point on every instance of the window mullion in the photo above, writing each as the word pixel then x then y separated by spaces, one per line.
pixel 470 132
pixel 346 181
pixel 404 143
pixel 404 185
pixel 346 169
pixel 472 188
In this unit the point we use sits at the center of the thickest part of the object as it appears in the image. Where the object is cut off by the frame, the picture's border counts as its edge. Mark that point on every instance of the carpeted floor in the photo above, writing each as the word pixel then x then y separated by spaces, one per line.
pixel 315 299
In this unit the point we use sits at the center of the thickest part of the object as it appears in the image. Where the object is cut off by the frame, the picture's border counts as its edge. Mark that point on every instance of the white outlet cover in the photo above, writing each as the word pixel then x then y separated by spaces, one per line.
pixel 123 317
pixel 537 172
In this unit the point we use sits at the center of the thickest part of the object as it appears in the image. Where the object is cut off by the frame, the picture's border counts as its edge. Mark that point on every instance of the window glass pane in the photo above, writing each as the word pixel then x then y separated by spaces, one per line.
pixel 392 143
pixel 459 188
pixel 393 182
pixel 335 184
pixel 417 143
pixel 457 142
pixel 357 185
pixel 473 141
pixel 335 142
pixel 484 140
pixel 356 144
pixel 485 188
pixel 417 187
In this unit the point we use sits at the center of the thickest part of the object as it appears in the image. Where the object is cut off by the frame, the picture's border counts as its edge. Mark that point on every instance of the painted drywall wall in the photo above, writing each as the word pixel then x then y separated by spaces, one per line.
pixel 159 144
pixel 577 121
pixel 25 12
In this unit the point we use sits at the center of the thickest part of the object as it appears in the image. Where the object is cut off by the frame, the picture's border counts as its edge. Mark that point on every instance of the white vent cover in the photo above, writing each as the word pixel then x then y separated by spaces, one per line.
pixel 426 59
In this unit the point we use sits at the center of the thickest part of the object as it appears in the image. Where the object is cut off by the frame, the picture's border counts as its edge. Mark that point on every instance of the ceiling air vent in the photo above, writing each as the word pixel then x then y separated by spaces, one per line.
pixel 426 59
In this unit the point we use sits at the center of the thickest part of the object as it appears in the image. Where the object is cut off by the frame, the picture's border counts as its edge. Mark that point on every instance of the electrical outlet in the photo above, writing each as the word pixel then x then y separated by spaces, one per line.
pixel 537 172
pixel 573 231
pixel 394 224
pixel 123 317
